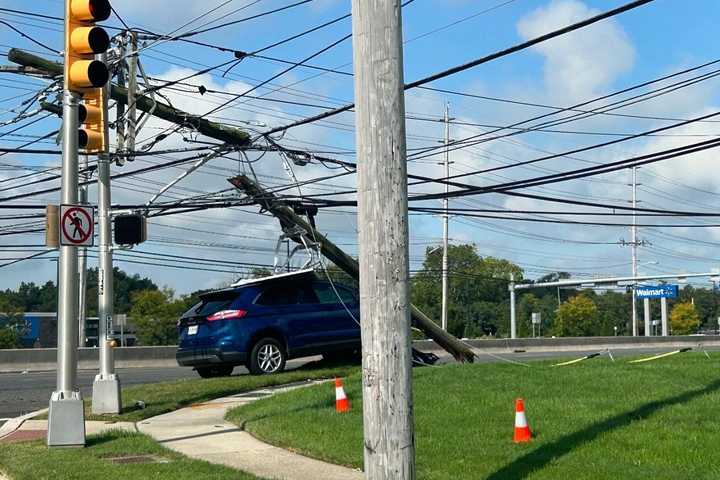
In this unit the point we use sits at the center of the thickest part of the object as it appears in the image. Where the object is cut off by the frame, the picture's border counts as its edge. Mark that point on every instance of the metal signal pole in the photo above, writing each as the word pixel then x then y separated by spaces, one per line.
pixel 81 76
pixel 389 443
pixel 82 272
pixel 66 420
pixel 106 396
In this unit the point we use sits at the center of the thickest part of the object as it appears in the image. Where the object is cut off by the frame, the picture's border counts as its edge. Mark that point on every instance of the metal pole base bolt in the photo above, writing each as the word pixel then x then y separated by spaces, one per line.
pixel 66 421
pixel 106 395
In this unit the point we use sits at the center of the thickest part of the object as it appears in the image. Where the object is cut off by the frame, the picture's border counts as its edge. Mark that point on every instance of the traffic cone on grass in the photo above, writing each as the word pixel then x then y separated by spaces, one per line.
pixel 342 404
pixel 522 431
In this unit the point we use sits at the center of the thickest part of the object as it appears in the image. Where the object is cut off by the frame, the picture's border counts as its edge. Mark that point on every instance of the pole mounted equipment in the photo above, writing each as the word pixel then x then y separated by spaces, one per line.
pixel 84 74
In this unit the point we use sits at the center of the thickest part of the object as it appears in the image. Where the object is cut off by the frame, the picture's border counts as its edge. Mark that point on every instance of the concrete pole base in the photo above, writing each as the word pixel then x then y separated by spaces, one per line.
pixel 106 395
pixel 66 421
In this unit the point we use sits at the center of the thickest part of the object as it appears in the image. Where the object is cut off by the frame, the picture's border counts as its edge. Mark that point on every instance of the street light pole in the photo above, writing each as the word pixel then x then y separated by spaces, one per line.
pixel 444 319
pixel 513 315
pixel 634 251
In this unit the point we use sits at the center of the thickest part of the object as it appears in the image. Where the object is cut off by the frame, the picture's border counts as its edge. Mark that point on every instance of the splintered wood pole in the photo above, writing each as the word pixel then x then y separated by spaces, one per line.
pixel 383 252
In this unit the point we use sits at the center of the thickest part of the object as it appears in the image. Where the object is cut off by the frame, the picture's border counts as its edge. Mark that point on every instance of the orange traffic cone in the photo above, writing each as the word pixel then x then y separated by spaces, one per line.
pixel 342 404
pixel 522 431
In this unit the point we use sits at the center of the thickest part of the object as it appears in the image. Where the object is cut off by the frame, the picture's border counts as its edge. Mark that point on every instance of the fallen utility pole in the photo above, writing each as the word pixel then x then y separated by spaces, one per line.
pixel 144 103
pixel 289 221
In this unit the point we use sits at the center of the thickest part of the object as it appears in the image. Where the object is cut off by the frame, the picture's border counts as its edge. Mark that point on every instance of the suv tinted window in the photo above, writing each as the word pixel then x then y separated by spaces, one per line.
pixel 346 295
pixel 279 295
pixel 214 303
pixel 326 294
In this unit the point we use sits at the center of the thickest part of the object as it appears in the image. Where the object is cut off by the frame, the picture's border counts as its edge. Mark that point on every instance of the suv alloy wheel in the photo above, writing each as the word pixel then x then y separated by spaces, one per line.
pixel 267 356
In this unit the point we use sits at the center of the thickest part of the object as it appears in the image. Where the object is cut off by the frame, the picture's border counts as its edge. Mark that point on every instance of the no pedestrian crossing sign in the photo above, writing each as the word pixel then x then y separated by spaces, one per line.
pixel 77 225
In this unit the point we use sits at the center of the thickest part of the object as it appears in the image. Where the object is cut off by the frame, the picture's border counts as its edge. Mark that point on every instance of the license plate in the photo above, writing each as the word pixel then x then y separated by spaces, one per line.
pixel 192 330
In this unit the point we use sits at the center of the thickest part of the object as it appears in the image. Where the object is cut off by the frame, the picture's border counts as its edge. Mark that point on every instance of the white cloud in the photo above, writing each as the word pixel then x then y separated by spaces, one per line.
pixel 579 64
pixel 174 13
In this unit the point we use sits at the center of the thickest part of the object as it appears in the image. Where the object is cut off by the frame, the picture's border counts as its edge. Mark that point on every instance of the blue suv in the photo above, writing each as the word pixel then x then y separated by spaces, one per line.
pixel 263 323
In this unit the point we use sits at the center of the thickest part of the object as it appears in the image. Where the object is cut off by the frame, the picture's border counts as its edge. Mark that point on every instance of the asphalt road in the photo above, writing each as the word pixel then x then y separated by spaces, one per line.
pixel 24 393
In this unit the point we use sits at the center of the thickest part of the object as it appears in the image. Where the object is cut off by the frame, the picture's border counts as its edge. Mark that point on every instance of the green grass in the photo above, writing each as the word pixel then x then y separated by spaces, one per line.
pixel 34 461
pixel 163 397
pixel 592 420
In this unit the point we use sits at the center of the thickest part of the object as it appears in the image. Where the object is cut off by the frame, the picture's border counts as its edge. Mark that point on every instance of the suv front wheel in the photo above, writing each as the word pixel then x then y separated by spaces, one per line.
pixel 267 356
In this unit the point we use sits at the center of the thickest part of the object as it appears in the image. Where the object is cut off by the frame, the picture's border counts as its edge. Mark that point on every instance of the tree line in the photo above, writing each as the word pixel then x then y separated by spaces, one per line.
pixel 478 302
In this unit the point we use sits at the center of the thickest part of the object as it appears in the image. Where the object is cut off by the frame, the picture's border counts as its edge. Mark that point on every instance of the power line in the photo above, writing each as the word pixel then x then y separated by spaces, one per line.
pixel 479 61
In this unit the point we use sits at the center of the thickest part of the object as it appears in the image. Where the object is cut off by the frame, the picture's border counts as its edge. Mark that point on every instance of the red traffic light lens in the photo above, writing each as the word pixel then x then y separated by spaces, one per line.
pixel 99 9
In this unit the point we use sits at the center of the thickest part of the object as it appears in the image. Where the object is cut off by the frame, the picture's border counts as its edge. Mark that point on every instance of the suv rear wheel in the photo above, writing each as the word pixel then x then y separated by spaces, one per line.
pixel 215 371
pixel 267 356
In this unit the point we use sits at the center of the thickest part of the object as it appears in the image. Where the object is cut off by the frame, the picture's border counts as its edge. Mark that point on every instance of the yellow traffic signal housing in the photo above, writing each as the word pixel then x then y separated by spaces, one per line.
pixel 92 135
pixel 83 40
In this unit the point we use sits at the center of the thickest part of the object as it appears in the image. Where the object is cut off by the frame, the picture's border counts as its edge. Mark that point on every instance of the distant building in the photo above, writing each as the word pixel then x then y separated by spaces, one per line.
pixel 39 330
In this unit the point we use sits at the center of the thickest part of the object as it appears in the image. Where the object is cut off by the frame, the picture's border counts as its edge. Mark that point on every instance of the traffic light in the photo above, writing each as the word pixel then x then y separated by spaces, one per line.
pixel 84 74
pixel 84 40
pixel 91 136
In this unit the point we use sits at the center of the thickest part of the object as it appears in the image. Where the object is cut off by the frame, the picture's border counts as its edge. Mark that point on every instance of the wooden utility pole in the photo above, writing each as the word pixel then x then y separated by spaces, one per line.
pixel 388 424
pixel 289 221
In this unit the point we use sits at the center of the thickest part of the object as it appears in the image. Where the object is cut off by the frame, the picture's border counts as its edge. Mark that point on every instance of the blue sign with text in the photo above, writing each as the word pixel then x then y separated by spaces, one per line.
pixel 656 291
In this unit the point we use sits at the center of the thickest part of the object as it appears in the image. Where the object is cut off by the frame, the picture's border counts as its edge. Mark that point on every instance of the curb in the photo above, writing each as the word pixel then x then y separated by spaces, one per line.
pixel 15 423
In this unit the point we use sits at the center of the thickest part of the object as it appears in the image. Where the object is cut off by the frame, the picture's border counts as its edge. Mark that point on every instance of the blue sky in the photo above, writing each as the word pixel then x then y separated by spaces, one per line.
pixel 651 41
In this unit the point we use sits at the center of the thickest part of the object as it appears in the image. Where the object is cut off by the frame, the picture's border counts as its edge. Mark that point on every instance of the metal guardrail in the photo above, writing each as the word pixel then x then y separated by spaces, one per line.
pixel 45 359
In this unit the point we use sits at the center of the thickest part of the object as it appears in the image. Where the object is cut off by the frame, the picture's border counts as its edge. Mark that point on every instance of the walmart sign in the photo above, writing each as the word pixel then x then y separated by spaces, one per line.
pixel 656 291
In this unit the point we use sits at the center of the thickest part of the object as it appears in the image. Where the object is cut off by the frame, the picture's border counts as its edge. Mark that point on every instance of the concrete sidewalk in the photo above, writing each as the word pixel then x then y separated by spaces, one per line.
pixel 200 431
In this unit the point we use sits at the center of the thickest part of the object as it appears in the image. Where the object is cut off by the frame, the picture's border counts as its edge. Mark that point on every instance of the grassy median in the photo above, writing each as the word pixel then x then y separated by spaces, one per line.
pixel 594 419
pixel 145 401
pixel 34 461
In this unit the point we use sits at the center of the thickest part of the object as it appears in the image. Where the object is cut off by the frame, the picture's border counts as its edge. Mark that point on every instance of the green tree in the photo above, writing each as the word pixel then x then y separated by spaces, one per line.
pixel 478 297
pixel 615 308
pixel 10 323
pixel 684 319
pixel 577 317
pixel 528 304
pixel 155 313
pixel 124 285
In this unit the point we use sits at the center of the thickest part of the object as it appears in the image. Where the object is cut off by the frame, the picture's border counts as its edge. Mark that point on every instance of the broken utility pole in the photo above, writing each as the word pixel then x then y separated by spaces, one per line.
pixel 289 220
